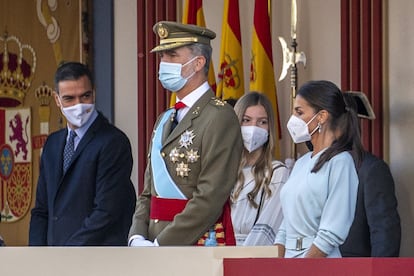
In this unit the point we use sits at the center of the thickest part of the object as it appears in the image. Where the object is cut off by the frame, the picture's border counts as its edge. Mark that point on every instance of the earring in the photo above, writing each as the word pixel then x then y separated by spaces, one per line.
pixel 319 127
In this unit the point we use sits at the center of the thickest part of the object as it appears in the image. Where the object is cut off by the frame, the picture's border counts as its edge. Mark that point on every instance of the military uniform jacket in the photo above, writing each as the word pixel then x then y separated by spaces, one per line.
pixel 208 135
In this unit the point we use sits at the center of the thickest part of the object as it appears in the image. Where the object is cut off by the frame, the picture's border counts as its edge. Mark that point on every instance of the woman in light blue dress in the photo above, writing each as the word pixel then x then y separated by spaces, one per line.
pixel 319 198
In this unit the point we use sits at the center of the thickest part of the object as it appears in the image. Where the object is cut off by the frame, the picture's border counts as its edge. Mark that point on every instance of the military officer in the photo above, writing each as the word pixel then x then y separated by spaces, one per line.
pixel 192 166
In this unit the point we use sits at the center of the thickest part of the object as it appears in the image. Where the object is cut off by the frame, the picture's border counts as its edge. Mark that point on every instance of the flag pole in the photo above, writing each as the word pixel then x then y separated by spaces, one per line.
pixel 290 59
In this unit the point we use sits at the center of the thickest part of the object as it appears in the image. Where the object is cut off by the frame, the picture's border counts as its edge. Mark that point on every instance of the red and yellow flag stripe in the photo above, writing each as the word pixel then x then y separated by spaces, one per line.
pixel 231 80
pixel 261 68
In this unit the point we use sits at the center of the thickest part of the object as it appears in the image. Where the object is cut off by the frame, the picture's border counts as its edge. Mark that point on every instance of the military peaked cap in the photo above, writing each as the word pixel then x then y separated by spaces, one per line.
pixel 174 35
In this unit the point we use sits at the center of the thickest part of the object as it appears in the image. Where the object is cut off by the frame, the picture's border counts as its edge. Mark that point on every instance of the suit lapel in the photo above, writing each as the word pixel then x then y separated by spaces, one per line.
pixel 99 121
pixel 89 135
pixel 56 154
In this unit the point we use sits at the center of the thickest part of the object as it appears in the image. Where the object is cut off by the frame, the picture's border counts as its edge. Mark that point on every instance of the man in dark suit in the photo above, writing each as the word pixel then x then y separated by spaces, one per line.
pixel 376 230
pixel 84 193
pixel 192 168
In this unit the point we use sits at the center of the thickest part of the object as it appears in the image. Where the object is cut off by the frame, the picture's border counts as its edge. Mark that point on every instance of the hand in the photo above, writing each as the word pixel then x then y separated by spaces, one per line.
pixel 140 241
pixel 315 252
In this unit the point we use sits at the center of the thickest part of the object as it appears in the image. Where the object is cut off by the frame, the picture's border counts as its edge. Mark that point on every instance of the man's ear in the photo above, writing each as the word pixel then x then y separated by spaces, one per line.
pixel 56 96
pixel 200 62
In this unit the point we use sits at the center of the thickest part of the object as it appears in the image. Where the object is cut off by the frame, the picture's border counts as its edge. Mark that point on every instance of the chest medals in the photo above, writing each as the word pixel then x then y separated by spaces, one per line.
pixel 184 154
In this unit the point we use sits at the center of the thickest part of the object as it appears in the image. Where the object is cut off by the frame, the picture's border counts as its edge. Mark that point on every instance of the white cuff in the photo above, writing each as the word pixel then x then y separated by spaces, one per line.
pixel 138 240
pixel 135 237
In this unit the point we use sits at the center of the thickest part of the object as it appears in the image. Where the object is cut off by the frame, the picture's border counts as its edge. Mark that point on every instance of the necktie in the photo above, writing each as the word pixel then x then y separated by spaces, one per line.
pixel 177 106
pixel 69 150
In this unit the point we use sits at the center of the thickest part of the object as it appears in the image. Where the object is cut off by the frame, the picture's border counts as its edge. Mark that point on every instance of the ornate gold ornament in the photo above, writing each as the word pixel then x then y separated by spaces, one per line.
pixel 162 31
pixel 218 101
pixel 17 72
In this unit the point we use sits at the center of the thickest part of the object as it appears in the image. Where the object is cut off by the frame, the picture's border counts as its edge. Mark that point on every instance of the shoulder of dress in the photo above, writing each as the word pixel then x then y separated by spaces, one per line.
pixel 277 163
pixel 279 171
pixel 278 166
pixel 343 156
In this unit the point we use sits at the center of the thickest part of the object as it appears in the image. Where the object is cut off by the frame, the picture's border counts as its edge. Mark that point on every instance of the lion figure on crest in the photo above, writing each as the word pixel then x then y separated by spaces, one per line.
pixel 16 125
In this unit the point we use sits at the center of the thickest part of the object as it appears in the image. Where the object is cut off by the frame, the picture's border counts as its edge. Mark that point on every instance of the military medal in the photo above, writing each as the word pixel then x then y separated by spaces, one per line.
pixel 186 139
pixel 174 155
pixel 182 169
pixel 192 156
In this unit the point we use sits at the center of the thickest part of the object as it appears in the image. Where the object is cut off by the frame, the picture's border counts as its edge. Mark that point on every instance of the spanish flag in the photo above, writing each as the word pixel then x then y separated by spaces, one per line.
pixel 261 67
pixel 193 14
pixel 231 80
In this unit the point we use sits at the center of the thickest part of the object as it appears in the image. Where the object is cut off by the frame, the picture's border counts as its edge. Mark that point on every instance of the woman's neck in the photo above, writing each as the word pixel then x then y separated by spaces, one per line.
pixel 252 157
pixel 322 141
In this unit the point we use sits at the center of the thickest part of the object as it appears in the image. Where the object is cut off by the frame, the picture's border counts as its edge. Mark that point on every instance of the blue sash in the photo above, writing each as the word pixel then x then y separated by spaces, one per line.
pixel 163 183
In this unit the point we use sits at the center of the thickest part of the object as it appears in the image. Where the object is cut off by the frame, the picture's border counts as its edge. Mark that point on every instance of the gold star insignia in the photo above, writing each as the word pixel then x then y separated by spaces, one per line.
pixel 174 155
pixel 217 101
pixel 196 111
pixel 192 156
pixel 182 169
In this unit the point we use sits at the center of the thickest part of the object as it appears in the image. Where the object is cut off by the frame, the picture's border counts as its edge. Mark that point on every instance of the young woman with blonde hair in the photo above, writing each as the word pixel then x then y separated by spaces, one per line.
pixel 256 209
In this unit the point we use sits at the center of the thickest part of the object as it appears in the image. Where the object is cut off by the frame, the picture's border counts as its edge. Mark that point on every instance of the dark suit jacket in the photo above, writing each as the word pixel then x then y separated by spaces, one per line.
pixel 93 202
pixel 376 229
pixel 218 143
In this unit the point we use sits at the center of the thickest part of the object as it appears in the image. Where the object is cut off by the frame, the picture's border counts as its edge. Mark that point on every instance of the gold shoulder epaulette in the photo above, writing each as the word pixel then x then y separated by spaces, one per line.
pixel 218 102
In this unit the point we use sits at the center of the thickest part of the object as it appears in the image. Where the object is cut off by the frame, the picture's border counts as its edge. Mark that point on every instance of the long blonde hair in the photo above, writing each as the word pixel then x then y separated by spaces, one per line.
pixel 262 169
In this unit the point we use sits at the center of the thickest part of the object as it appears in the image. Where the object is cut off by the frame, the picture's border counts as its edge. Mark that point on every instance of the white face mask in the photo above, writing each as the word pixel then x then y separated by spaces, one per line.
pixel 298 129
pixel 254 137
pixel 170 76
pixel 78 114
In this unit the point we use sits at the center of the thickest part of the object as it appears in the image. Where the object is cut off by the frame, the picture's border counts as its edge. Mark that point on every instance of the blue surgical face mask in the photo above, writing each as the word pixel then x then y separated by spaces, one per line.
pixel 170 76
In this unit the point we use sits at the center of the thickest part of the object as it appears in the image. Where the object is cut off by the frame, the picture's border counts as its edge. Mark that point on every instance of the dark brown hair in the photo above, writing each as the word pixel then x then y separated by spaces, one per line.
pixel 325 95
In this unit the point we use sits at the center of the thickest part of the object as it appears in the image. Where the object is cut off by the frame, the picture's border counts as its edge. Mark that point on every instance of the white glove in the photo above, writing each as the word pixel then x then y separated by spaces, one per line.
pixel 139 240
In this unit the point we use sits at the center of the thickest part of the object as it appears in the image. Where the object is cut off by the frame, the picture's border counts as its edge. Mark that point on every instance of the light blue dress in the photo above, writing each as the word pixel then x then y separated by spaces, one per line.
pixel 318 207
